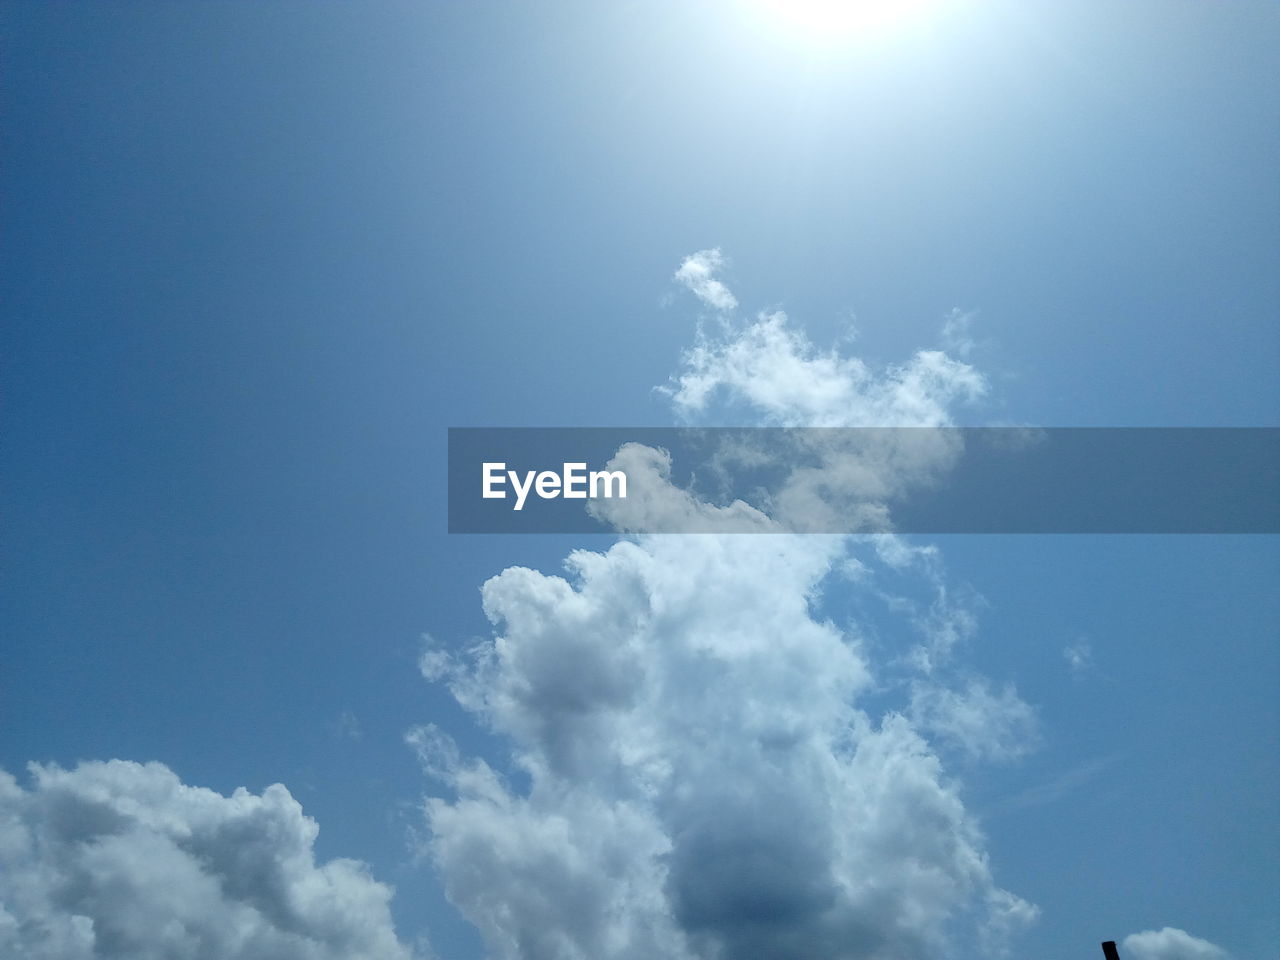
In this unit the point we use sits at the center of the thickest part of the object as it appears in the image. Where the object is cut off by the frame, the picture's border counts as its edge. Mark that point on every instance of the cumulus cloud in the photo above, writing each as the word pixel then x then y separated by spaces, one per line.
pixel 1170 943
pixel 698 273
pixel 701 780
pixel 121 859
pixel 696 770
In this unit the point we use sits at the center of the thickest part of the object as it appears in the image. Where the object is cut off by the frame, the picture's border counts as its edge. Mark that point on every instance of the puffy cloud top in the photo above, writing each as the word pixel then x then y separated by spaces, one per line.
pixel 1170 943
pixel 119 859
pixel 701 780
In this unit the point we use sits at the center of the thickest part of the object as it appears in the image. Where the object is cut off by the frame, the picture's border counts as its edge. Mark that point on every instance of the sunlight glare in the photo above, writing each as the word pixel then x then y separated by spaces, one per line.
pixel 828 23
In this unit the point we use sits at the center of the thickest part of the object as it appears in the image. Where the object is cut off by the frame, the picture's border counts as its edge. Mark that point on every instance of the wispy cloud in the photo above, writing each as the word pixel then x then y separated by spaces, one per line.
pixel 767 372
pixel 1059 787
pixel 981 722
pixel 1079 657
pixel 957 337
pixel 771 368
pixel 698 273
pixel 348 726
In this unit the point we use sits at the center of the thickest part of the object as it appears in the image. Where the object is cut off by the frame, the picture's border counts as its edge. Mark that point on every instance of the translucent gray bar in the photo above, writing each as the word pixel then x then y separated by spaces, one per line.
pixel 869 480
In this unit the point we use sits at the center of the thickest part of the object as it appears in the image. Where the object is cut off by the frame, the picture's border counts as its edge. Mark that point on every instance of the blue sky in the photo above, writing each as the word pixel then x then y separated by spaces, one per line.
pixel 258 258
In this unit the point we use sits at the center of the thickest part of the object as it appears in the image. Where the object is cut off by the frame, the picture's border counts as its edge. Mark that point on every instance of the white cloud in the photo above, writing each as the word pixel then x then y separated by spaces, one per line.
pixel 769 373
pixel 774 370
pixel 348 726
pixel 1079 657
pixel 1170 943
pixel 696 770
pixel 698 273
pixel 433 661
pixel 701 779
pixel 983 724
pixel 956 336
pixel 122 860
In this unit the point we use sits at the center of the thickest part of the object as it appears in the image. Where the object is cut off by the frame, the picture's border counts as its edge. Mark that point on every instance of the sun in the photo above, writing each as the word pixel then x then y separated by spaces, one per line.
pixel 829 23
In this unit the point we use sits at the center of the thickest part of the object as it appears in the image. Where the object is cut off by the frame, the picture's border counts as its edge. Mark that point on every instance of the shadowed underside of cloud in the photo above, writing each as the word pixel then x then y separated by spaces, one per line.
pixel 703 778
pixel 119 859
